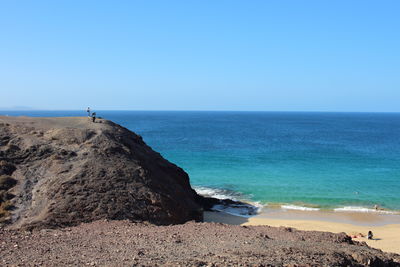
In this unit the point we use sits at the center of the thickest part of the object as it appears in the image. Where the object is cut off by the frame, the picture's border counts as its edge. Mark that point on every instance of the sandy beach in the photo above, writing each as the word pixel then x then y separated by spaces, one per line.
pixel 386 236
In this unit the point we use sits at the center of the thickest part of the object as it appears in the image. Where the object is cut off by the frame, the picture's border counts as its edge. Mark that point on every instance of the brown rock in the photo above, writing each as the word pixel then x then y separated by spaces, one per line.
pixel 79 171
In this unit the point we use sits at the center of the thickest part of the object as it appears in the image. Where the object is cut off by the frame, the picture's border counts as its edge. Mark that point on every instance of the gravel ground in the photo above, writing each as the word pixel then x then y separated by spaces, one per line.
pixel 122 243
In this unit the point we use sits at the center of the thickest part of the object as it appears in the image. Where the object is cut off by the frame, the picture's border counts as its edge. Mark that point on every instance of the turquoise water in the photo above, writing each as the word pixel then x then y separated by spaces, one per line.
pixel 320 160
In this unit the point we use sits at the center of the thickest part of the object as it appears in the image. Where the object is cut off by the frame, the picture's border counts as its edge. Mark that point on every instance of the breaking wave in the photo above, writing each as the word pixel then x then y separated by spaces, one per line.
pixel 239 207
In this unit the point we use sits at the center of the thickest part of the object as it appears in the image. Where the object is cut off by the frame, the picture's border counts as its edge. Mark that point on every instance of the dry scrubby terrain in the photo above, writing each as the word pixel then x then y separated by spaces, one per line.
pixel 62 179
pixel 122 243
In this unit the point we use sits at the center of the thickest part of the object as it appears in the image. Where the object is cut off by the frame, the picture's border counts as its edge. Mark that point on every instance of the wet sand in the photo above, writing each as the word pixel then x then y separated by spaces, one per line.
pixel 386 228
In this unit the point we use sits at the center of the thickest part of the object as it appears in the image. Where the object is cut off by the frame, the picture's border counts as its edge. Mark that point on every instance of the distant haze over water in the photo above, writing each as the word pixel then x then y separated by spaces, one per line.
pixel 299 160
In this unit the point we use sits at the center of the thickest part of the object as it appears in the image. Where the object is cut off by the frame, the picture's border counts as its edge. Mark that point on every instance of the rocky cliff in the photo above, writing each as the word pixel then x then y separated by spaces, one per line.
pixel 64 171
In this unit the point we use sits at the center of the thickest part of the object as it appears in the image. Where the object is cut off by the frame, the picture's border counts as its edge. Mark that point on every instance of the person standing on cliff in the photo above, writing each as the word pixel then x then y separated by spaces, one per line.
pixel 88 111
pixel 94 116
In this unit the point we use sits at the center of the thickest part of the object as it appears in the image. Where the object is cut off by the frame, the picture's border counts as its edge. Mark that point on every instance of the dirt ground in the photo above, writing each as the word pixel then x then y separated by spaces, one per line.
pixel 122 243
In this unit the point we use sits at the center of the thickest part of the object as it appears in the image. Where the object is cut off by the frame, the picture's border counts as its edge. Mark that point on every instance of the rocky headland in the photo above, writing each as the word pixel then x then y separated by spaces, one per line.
pixel 73 192
pixel 65 171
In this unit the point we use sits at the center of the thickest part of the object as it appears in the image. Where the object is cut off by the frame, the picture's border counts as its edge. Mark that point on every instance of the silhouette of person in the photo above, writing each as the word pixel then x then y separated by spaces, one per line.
pixel 94 116
pixel 370 235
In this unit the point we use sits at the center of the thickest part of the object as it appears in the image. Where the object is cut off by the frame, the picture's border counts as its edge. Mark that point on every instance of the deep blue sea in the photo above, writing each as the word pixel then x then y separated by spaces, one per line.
pixel 299 160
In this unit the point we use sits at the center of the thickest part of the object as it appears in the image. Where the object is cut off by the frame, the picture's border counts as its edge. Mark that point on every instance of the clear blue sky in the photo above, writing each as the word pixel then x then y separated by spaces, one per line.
pixel 201 55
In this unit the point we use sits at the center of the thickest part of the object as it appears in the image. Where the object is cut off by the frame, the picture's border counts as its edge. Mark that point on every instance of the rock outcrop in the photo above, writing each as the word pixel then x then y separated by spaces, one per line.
pixel 64 171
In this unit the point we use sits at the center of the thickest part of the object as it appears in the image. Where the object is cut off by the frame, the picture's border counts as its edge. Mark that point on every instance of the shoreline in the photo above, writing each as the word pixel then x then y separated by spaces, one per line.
pixel 386 231
pixel 358 218
pixel 223 194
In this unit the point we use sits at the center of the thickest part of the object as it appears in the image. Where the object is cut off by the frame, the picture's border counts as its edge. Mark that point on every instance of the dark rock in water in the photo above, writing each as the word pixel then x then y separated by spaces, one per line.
pixel 70 170
pixel 227 205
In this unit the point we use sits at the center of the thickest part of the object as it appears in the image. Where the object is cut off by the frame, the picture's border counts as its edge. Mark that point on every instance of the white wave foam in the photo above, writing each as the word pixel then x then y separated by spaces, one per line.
pixel 213 192
pixel 243 209
pixel 253 208
pixel 238 210
pixel 363 209
pixel 294 207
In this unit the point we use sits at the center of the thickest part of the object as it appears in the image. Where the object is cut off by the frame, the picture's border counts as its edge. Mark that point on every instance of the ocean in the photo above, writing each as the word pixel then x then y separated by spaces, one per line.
pixel 292 160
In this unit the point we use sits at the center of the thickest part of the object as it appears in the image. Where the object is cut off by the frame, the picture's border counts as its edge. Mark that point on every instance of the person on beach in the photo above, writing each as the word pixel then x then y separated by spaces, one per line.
pixel 370 235
pixel 88 111
pixel 94 116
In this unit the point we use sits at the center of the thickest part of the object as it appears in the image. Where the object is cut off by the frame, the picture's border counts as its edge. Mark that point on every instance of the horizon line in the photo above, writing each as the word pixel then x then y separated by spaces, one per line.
pixel 194 110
